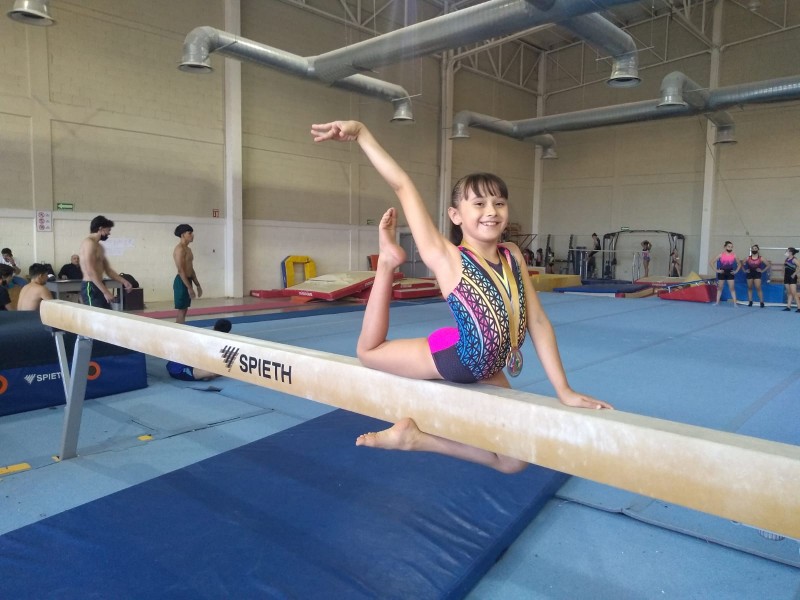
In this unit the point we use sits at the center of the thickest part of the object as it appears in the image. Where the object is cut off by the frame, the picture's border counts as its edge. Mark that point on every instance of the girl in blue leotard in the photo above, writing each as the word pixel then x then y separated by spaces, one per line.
pixel 484 282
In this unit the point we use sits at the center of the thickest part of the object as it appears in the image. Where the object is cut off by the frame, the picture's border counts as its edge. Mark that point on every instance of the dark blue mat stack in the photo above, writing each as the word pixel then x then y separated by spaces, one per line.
pixel 30 376
pixel 300 514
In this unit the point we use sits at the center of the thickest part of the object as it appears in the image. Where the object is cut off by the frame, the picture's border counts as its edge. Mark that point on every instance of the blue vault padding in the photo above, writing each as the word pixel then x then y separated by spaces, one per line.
pixel 30 376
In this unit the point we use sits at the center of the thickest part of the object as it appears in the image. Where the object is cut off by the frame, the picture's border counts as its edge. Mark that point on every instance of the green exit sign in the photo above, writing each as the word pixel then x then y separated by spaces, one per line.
pixel 65 206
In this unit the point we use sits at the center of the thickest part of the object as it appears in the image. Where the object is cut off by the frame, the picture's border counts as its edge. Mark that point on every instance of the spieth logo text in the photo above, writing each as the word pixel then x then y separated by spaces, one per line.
pixel 38 378
pixel 262 367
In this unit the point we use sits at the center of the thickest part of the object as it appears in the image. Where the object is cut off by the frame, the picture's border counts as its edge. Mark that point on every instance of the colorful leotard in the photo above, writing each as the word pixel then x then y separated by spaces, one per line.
pixel 752 266
pixel 726 261
pixel 483 340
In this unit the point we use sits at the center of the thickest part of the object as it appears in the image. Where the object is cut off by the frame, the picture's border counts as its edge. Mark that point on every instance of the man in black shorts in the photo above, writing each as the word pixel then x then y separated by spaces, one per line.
pixel 95 266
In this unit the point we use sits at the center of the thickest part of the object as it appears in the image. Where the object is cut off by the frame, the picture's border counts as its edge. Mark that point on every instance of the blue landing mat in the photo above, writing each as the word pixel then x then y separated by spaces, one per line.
pixel 604 288
pixel 300 514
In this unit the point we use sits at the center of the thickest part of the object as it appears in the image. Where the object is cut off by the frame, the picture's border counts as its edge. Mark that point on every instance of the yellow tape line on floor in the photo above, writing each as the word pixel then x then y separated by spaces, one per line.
pixel 14 468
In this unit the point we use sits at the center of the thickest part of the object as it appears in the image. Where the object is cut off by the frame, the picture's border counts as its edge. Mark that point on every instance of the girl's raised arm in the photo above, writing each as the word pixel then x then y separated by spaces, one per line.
pixel 433 247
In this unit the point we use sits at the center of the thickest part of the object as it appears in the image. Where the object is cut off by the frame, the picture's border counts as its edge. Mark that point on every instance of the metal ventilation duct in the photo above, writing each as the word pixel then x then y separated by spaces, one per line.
pixel 342 67
pixel 546 141
pixel 672 104
pixel 604 35
pixel 483 21
pixel 203 40
pixel 31 12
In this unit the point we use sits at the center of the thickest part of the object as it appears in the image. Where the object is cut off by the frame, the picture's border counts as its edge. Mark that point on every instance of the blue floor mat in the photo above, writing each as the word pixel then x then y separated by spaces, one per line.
pixel 300 514
pixel 604 288
pixel 713 390
pixel 683 520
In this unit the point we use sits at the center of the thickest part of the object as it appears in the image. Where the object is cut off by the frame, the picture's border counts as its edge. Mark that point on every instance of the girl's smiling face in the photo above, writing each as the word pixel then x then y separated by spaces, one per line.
pixel 482 218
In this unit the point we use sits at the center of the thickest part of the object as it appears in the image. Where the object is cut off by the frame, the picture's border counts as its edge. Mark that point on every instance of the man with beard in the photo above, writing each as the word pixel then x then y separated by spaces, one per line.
pixel 95 265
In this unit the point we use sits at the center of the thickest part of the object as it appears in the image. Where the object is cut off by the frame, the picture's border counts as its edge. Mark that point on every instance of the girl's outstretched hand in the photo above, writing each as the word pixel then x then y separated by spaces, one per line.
pixel 573 398
pixel 341 131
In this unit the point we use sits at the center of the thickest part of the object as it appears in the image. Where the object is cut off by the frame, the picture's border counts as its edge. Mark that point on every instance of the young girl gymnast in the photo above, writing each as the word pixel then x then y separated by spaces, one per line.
pixel 483 281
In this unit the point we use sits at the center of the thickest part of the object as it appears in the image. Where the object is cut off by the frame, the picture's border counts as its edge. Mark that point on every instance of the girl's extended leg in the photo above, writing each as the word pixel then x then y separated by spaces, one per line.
pixel 409 357
pixel 720 283
pixel 405 435
pixel 732 290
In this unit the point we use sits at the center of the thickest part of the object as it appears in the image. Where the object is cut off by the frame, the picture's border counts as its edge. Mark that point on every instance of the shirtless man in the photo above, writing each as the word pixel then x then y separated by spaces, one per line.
pixel 31 296
pixel 184 261
pixel 95 265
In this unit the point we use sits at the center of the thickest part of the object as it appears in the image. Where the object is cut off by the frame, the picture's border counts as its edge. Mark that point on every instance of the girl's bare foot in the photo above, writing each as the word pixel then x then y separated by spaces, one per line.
pixel 403 435
pixel 390 253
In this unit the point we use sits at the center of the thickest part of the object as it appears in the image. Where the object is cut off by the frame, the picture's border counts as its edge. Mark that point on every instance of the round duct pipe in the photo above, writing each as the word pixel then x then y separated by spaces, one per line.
pixel 402 111
pixel 549 153
pixel 31 12
pixel 725 135
pixel 195 67
pixel 460 131
pixel 624 72
pixel 675 99
pixel 622 79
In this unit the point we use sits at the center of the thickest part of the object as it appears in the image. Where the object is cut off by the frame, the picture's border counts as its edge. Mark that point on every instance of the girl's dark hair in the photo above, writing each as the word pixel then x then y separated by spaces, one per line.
pixel 482 185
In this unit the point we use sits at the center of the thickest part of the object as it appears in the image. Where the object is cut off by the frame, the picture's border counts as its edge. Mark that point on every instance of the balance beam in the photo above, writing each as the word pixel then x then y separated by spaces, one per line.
pixel 737 477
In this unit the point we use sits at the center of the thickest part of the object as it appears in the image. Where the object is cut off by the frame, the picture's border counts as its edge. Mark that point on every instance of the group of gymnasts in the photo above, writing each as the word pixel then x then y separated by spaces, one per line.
pixel 727 265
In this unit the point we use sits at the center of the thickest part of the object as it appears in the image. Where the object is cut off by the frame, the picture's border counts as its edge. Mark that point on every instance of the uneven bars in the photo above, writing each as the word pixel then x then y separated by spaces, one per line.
pixel 746 479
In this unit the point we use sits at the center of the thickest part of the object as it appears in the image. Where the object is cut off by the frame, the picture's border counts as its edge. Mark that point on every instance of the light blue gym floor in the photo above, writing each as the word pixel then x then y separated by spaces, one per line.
pixel 727 368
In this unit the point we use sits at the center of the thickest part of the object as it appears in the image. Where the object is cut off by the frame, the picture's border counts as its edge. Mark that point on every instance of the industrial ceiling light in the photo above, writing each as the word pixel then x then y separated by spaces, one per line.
pixel 754 5
pixel 31 12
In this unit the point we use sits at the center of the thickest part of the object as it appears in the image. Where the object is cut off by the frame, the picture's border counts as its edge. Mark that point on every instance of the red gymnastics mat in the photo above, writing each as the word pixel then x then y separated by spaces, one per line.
pixel 267 304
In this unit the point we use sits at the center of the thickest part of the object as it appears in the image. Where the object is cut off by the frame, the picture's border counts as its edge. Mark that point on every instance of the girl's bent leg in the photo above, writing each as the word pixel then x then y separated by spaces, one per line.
pixel 375 325
pixel 409 358
pixel 405 435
